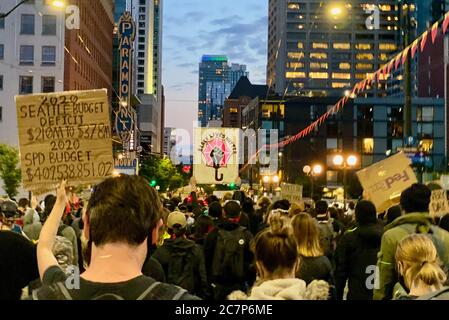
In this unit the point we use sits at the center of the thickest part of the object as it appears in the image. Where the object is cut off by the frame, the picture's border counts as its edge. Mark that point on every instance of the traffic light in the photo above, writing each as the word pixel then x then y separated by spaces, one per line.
pixel 232 185
pixel 153 183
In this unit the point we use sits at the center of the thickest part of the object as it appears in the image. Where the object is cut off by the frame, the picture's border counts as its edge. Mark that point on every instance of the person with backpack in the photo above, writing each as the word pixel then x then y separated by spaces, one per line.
pixel 122 215
pixel 420 269
pixel 356 252
pixel 276 254
pixel 182 259
pixel 326 228
pixel 228 255
pixel 415 202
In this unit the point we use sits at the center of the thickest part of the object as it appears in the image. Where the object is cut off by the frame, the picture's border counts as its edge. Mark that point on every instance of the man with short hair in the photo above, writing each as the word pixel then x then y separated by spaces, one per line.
pixel 415 203
pixel 123 214
pixel 228 255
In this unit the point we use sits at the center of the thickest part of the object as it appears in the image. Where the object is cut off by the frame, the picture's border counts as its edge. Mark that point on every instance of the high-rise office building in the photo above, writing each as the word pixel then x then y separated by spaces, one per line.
pixel 147 72
pixel 322 48
pixel 217 79
pixel 88 55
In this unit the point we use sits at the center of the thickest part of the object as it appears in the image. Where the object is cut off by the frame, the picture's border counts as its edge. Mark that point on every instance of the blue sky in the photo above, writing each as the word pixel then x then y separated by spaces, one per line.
pixel 236 28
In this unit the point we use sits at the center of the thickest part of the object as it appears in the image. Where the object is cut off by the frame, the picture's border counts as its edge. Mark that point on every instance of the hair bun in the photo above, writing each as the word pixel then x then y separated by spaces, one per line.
pixel 280 225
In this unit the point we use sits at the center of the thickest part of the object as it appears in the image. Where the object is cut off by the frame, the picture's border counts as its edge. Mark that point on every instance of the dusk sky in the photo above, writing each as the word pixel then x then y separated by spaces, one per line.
pixel 236 28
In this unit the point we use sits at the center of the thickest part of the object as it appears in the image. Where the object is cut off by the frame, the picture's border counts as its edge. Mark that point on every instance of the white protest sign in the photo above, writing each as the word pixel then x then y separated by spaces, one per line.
pixel 291 192
pixel 439 205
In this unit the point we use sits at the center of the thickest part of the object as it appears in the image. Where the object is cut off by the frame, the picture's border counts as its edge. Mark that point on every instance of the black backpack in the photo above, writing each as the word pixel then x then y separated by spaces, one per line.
pixel 154 291
pixel 181 271
pixel 229 255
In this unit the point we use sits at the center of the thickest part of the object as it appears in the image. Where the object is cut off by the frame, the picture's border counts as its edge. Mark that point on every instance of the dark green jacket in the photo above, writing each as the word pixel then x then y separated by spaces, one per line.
pixel 396 231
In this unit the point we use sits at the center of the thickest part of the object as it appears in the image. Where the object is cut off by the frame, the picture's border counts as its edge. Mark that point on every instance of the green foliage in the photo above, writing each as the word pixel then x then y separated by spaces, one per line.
pixel 162 173
pixel 9 169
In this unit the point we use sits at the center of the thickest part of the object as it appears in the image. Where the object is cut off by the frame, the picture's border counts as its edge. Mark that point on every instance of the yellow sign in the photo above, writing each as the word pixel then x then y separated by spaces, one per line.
pixel 439 205
pixel 215 156
pixel 64 135
pixel 383 182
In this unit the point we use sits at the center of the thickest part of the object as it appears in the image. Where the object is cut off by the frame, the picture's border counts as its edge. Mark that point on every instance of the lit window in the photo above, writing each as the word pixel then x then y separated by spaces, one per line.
pixel 295 65
pixel 293 6
pixel 298 85
pixel 363 46
pixel 425 114
pixel 364 66
pixel 319 65
pixel 300 26
pixel 345 66
pixel 385 7
pixel 320 45
pixel 295 55
pixel 368 146
pixel 340 85
pixel 364 56
pixel 318 55
pixel 339 75
pixel 294 75
pixel 388 46
pixel 383 57
pixel 300 45
pixel 233 110
pixel 319 75
pixel 360 76
pixel 342 46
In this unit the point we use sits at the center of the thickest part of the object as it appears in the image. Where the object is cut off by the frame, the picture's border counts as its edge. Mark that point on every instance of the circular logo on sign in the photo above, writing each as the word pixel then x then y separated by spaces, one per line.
pixel 241 242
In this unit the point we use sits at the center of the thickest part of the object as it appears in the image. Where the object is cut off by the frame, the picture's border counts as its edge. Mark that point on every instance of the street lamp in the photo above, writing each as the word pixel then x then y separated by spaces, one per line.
pixel 312 171
pixel 55 3
pixel 348 163
pixel 276 179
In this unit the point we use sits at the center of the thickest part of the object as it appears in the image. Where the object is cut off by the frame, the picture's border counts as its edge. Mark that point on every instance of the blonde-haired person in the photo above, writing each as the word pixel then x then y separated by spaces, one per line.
pixel 296 208
pixel 420 269
pixel 314 265
pixel 276 255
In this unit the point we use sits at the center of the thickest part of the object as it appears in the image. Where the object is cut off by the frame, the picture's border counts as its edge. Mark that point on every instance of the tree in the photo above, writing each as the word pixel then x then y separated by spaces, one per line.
pixel 163 173
pixel 9 169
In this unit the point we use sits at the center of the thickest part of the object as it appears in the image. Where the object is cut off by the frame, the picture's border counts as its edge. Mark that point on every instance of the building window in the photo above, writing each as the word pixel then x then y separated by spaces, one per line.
pixel 363 46
pixel 388 47
pixel 331 176
pixel 1 82
pixel 1 113
pixel 48 55
pixel 293 6
pixel 332 144
pixel 364 56
pixel 295 55
pixel 319 75
pixel 2 51
pixel 300 45
pixel 48 25
pixel 27 24
pixel 26 55
pixel 383 57
pixel 342 46
pixel 425 114
pixel 339 75
pixel 340 85
pixel 294 75
pixel 318 55
pixel 320 45
pixel 344 66
pixel 25 84
pixel 48 84
pixel 233 110
pixel 2 23
pixel 319 65
pixel 368 145
pixel 425 130
pixel 364 66
pixel 295 65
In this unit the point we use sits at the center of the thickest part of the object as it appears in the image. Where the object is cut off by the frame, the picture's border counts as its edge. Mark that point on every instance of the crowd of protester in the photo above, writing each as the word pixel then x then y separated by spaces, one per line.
pixel 126 242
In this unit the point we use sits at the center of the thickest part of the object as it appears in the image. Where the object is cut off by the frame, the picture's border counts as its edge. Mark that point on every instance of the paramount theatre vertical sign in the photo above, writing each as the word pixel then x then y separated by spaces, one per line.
pixel 65 135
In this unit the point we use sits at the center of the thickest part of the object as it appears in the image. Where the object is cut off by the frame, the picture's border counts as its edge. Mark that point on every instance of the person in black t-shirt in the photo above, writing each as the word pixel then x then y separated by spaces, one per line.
pixel 122 215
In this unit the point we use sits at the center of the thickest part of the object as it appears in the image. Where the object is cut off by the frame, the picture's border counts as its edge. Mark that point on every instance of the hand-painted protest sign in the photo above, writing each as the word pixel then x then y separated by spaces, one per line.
pixel 291 192
pixel 439 205
pixel 64 135
pixel 215 156
pixel 383 182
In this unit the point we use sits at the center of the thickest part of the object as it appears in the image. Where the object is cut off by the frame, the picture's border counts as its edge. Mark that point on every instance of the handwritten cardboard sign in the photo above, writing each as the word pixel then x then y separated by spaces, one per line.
pixel 439 205
pixel 64 135
pixel 384 181
pixel 291 192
